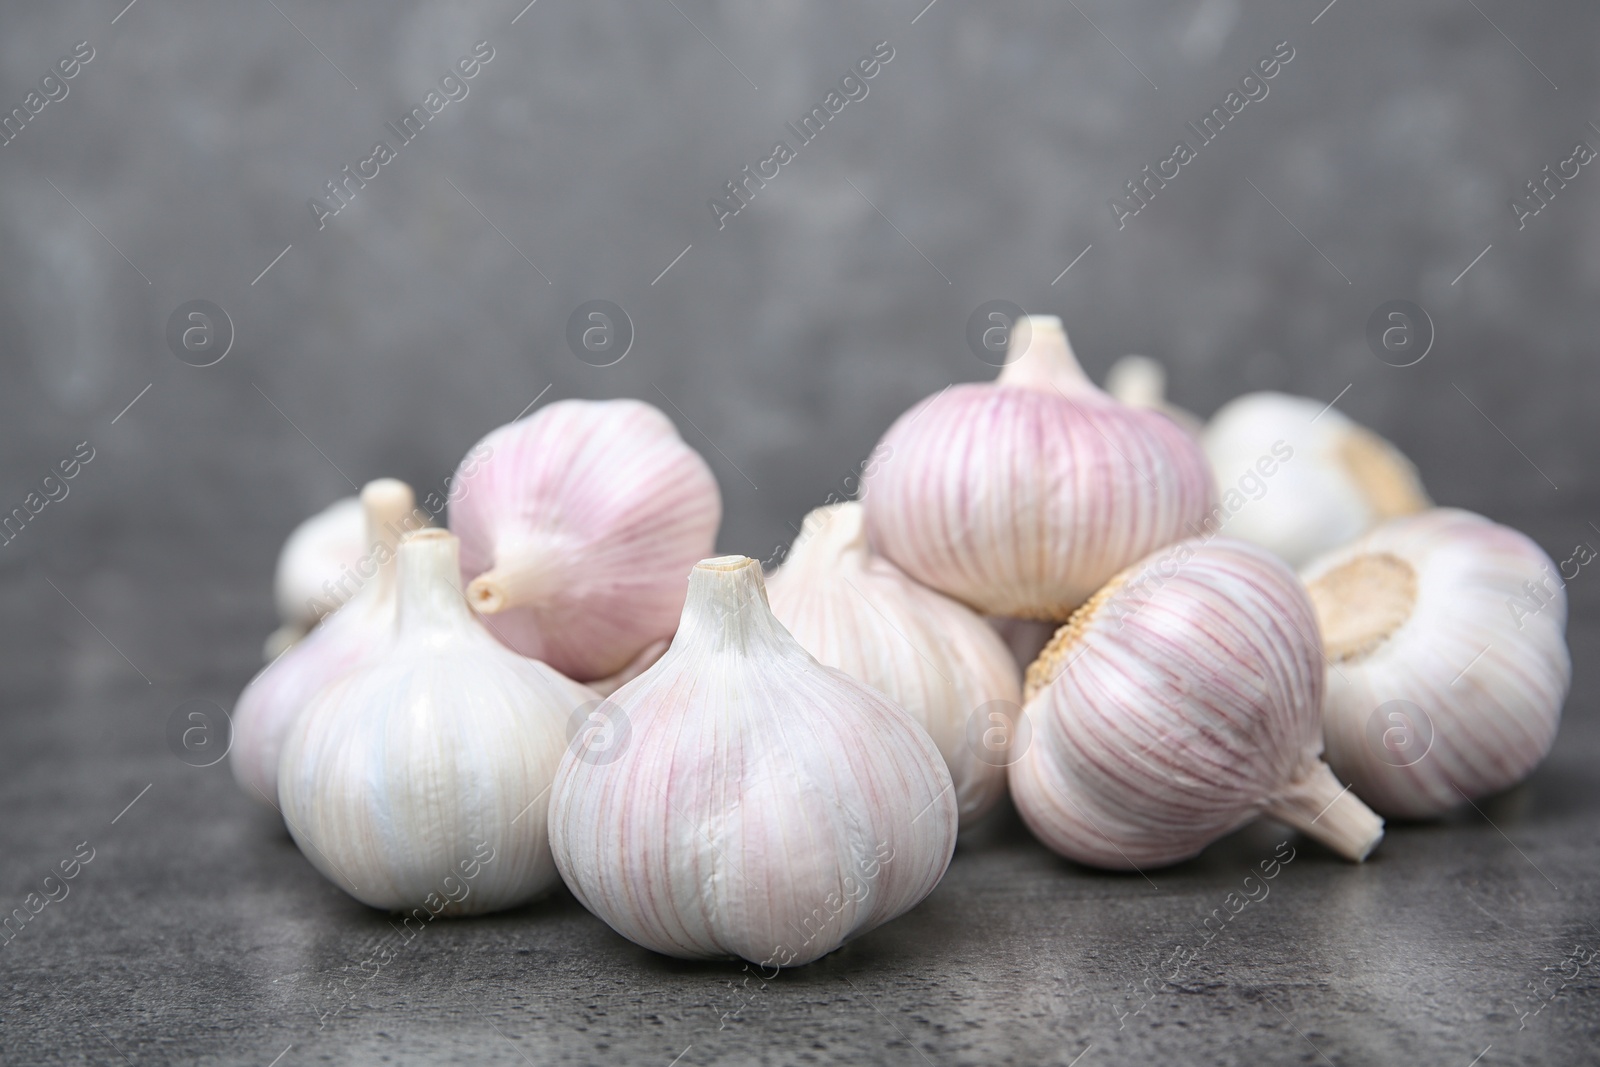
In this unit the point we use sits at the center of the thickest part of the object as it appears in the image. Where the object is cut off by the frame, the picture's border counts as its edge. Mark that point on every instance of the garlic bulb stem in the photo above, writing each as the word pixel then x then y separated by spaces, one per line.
pixel 430 585
pixel 1047 363
pixel 1321 808
pixel 388 504
pixel 521 577
pixel 1138 381
pixel 714 617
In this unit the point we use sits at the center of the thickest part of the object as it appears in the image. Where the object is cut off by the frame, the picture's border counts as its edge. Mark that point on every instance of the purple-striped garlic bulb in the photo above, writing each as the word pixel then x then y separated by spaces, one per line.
pixel 740 799
pixel 931 655
pixel 1180 703
pixel 577 529
pixel 1025 495
pixel 349 637
pixel 1448 661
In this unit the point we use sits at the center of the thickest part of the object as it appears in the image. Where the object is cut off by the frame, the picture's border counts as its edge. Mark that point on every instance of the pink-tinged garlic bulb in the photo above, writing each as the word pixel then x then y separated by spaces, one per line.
pixel 741 799
pixel 1445 634
pixel 1181 702
pixel 317 553
pixel 931 655
pixel 577 531
pixel 1022 497
pixel 347 638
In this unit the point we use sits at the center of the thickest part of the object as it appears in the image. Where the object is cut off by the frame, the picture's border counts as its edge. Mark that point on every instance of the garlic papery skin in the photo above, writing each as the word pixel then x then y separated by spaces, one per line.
pixel 1023 496
pixel 929 654
pixel 349 637
pixel 447 742
pixel 1448 660
pixel 1300 478
pixel 760 804
pixel 316 553
pixel 1181 702
pixel 578 528
pixel 1141 382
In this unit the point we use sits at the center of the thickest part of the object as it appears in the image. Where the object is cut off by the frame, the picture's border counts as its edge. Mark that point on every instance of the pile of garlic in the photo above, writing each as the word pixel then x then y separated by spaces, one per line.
pixel 569 685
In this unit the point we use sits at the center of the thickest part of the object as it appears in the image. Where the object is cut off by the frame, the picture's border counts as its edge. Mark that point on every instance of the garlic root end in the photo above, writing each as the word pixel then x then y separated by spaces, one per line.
pixel 487 594
pixel 1321 808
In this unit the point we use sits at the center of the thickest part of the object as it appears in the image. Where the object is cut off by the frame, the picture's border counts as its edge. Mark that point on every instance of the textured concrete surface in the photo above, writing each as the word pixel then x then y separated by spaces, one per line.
pixel 178 166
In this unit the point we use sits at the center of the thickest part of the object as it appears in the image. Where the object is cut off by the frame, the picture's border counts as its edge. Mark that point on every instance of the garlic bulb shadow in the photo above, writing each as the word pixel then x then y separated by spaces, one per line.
pixel 1448 660
pixel 1180 703
pixel 766 806
pixel 442 748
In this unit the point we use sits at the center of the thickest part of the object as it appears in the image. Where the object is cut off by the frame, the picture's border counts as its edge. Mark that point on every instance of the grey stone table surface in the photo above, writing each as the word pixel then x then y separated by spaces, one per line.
pixel 989 158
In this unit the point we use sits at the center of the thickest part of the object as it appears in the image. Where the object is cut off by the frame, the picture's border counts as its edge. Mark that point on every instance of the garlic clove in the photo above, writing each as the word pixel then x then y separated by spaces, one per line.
pixel 1181 702
pixel 1448 660
pixel 349 637
pixel 1299 477
pixel 576 529
pixel 405 769
pixel 1141 382
pixel 1023 496
pixel 764 806
pixel 929 654
pixel 316 554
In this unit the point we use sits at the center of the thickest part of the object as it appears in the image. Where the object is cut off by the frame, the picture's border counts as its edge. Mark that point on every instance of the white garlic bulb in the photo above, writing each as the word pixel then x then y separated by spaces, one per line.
pixel 929 654
pixel 1449 664
pixel 750 801
pixel 1023 496
pixel 398 772
pixel 577 529
pixel 317 553
pixel 352 635
pixel 1181 702
pixel 1299 477
pixel 1141 382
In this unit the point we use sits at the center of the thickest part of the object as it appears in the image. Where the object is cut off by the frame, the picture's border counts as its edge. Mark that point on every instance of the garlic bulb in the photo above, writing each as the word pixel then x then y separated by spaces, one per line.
pixel 577 530
pixel 397 773
pixel 927 653
pixel 1141 382
pixel 1300 478
pixel 350 636
pixel 317 553
pixel 1449 666
pixel 1178 704
pixel 763 805
pixel 1022 497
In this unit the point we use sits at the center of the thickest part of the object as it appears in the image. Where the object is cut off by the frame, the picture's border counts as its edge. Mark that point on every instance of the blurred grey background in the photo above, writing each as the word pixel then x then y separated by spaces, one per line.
pixel 179 164
pixel 581 163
